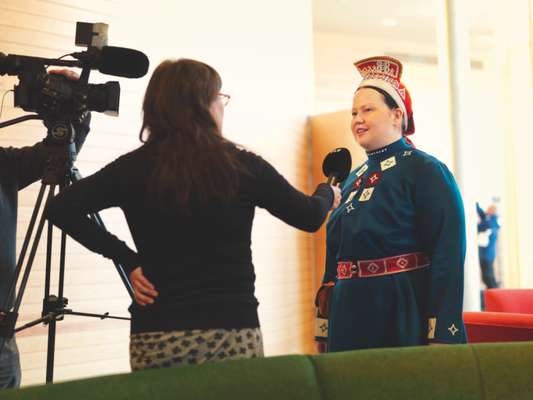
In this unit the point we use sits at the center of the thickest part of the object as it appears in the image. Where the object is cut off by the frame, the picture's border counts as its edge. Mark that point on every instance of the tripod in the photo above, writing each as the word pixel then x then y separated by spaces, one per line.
pixel 59 172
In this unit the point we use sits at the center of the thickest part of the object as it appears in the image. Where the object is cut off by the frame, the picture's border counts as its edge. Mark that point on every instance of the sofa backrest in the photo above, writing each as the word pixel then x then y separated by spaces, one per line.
pixel 288 377
pixel 485 326
pixel 447 372
pixel 509 300
pixel 466 372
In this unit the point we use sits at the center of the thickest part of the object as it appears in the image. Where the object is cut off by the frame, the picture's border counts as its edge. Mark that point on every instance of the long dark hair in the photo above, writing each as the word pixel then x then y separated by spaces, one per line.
pixel 194 164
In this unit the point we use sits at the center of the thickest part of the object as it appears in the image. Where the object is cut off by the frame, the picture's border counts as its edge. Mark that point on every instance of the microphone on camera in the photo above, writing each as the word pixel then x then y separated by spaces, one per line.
pixel 337 165
pixel 116 61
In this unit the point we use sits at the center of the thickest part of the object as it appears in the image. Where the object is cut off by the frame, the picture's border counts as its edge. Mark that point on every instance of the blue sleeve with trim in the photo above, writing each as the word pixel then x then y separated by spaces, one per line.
pixel 441 224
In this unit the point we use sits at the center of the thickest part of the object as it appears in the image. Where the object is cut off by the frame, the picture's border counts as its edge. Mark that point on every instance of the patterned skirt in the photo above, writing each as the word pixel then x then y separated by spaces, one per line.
pixel 180 348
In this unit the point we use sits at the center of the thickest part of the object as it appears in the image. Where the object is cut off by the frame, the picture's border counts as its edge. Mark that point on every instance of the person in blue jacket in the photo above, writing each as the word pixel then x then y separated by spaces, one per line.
pixel 396 244
pixel 488 228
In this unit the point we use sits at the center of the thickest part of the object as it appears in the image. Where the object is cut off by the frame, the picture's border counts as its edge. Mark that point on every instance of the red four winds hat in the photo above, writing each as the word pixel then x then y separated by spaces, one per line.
pixel 384 73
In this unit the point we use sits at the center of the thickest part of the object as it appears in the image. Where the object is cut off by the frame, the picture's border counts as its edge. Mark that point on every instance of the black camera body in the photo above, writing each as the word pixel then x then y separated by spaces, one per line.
pixel 51 95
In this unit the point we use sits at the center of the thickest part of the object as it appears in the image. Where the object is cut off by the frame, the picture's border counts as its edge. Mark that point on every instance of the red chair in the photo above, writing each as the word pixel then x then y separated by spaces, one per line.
pixel 487 326
pixel 509 300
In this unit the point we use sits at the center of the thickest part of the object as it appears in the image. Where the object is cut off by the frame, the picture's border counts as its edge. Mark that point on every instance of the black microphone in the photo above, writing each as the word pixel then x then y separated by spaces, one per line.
pixel 116 61
pixel 337 165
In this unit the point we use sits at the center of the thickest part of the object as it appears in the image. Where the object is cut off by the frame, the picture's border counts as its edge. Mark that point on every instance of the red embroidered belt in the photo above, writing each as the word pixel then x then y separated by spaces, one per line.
pixel 381 266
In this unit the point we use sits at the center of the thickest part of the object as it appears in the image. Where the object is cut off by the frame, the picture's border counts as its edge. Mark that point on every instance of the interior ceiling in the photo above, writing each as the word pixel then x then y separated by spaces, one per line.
pixel 409 20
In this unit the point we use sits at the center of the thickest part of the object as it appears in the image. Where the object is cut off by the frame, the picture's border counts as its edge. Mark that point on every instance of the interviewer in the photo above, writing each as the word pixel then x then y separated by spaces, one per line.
pixel 189 196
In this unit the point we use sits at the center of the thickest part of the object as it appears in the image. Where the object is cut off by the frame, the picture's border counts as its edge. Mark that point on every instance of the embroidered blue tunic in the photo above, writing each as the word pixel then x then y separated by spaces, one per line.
pixel 401 200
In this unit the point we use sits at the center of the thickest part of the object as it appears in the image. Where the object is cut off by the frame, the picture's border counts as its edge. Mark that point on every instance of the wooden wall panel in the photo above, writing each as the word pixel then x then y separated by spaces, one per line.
pixel 329 131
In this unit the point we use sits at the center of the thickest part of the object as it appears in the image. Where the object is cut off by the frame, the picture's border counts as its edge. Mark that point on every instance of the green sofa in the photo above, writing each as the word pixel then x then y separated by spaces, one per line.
pixel 482 371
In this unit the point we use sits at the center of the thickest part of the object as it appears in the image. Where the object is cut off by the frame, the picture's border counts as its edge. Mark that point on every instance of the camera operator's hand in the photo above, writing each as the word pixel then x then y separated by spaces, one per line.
pixel 67 73
pixel 144 290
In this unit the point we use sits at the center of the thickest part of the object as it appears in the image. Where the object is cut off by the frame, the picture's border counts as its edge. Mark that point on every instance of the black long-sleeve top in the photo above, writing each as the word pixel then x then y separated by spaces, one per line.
pixel 200 262
pixel 20 167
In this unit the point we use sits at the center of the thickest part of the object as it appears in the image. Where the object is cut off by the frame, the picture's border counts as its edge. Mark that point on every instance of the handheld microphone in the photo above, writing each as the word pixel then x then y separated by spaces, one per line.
pixel 116 61
pixel 337 165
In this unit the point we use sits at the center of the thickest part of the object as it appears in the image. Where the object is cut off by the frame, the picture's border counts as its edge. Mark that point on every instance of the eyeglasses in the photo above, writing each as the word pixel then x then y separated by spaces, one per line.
pixel 224 98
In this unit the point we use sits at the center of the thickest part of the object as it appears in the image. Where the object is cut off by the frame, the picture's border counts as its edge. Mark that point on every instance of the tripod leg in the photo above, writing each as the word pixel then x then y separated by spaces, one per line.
pixel 76 176
pixel 12 316
pixel 120 270
pixel 52 326
pixel 25 244
pixel 48 268
pixel 33 251
pixel 50 351
pixel 62 264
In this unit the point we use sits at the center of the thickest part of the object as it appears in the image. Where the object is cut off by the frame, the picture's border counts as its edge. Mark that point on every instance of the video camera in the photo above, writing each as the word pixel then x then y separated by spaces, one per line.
pixel 53 96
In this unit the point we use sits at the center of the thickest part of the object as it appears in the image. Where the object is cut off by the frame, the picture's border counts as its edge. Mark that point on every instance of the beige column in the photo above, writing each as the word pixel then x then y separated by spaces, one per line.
pixel 454 68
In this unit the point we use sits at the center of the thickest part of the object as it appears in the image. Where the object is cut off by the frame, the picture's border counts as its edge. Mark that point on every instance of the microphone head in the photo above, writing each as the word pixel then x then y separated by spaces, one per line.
pixel 3 64
pixel 120 61
pixel 338 163
pixel 9 64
